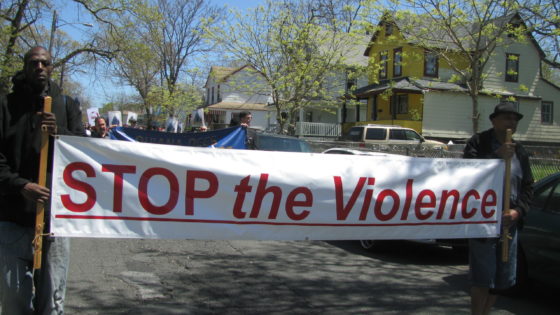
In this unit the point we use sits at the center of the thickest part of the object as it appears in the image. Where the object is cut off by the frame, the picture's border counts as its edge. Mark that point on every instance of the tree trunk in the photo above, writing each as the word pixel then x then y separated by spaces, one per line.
pixel 475 114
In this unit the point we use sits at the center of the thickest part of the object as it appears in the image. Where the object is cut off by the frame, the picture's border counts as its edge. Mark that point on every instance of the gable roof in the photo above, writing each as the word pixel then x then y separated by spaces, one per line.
pixel 413 26
pixel 221 74
pixel 241 106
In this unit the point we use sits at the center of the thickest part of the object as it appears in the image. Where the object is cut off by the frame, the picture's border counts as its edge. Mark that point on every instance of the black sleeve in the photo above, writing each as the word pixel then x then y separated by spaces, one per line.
pixel 471 150
pixel 73 126
pixel 9 181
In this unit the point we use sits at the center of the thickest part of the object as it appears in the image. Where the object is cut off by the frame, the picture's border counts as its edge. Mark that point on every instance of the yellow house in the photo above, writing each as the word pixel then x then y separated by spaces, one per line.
pixel 413 86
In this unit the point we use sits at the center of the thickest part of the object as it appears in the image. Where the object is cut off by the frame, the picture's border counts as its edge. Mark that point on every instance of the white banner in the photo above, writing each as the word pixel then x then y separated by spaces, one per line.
pixel 124 189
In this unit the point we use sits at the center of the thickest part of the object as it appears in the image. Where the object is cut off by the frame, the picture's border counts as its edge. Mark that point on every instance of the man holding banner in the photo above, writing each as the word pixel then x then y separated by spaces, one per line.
pixel 22 121
pixel 488 270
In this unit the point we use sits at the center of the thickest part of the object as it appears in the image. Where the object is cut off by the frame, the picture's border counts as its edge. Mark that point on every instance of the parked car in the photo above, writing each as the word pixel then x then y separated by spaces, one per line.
pixel 539 258
pixel 390 134
pixel 275 142
pixel 456 244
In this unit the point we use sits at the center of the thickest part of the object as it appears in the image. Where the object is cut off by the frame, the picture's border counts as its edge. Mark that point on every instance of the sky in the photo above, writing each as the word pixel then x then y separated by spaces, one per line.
pixel 99 88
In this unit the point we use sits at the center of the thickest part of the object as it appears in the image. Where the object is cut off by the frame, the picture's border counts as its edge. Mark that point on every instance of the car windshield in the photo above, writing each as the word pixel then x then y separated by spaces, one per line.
pixel 412 135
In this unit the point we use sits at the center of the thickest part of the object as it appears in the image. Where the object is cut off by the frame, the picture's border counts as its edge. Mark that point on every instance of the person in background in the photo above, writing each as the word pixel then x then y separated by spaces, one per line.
pixel 100 129
pixel 132 123
pixel 245 118
pixel 242 119
pixel 487 271
pixel 22 121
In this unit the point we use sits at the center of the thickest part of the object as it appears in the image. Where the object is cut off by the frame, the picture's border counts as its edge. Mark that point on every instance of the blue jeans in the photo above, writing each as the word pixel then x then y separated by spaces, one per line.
pixel 16 266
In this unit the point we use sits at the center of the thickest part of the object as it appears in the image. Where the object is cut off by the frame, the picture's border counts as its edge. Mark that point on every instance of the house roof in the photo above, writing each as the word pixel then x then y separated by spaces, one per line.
pixel 411 85
pixel 416 28
pixel 407 84
pixel 241 106
pixel 351 47
pixel 221 74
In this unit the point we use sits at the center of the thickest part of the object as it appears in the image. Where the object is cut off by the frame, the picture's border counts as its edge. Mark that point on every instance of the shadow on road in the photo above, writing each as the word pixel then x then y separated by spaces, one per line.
pixel 269 277
pixel 407 252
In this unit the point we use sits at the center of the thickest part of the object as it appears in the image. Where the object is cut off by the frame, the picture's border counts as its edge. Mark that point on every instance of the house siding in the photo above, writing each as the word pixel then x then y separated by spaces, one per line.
pixel 538 130
pixel 444 121
pixel 245 87
pixel 529 69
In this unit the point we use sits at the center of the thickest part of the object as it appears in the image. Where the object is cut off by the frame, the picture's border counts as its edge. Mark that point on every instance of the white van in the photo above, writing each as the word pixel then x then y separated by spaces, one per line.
pixel 390 134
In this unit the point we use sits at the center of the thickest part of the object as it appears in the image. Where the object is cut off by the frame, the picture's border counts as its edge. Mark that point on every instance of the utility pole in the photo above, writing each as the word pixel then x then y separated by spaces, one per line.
pixel 53 31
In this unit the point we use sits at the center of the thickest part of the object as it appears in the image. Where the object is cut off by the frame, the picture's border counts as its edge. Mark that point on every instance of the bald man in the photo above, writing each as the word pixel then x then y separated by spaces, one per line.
pixel 22 120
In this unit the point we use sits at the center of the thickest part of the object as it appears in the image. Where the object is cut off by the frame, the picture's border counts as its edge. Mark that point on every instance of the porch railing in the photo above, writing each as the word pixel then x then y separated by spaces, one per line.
pixel 311 129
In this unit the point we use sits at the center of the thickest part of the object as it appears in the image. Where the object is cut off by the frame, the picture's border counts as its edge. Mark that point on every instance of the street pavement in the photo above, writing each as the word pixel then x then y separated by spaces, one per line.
pixel 134 276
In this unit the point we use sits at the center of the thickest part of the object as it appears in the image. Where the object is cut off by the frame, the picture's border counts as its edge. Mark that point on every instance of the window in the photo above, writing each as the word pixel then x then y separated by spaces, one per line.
pixel 219 97
pixel 309 116
pixel 401 103
pixel 430 64
pixel 351 81
pixel 355 134
pixel 546 112
pixel 208 96
pixel 383 65
pixel 397 62
pixel 412 135
pixel 376 133
pixel 212 95
pixel 388 29
pixel 547 198
pixel 397 134
pixel 512 67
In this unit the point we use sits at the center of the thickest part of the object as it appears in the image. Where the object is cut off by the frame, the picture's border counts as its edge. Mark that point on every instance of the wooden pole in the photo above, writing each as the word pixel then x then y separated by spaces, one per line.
pixel 40 216
pixel 507 193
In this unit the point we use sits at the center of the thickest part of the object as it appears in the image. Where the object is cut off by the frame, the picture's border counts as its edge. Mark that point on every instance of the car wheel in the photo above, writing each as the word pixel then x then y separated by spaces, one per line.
pixel 367 244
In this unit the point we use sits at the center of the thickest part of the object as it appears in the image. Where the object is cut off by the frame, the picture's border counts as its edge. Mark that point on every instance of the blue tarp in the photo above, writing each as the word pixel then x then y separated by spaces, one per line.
pixel 233 137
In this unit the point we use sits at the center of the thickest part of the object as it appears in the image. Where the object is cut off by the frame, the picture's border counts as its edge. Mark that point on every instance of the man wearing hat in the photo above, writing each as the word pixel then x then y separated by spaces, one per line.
pixel 487 271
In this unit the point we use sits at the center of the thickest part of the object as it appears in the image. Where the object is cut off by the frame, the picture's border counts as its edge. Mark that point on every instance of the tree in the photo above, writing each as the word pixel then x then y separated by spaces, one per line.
pixel 543 20
pixel 21 29
pixel 158 42
pixel 136 63
pixel 288 44
pixel 16 16
pixel 465 34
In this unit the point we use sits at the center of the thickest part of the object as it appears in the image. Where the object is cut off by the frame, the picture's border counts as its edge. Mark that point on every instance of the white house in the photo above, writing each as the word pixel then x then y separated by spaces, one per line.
pixel 230 91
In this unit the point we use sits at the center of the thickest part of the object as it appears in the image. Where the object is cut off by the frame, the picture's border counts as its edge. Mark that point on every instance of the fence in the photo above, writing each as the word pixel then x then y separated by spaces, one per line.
pixel 543 161
pixel 309 129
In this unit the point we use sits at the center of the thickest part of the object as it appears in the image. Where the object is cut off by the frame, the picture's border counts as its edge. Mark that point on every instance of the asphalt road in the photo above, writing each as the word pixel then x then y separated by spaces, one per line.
pixel 109 276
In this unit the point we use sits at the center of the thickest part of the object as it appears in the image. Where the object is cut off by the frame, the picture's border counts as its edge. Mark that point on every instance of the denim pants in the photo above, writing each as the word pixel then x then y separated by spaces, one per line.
pixel 487 270
pixel 17 295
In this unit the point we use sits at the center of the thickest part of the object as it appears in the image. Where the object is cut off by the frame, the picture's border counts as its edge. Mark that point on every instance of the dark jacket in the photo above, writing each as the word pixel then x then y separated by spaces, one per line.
pixel 20 142
pixel 480 147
